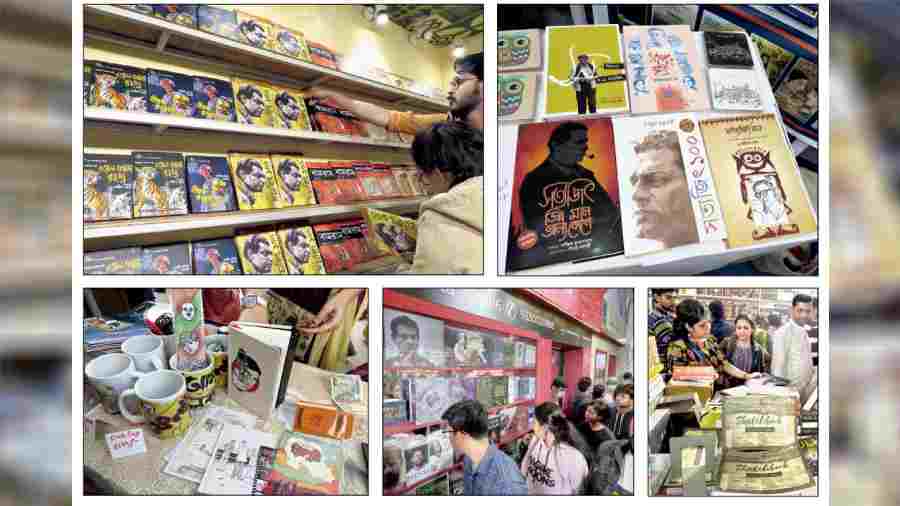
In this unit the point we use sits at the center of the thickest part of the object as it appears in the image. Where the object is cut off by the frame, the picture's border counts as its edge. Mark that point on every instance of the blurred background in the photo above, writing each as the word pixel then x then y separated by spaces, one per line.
pixel 35 186
pixel 865 276
pixel 36 224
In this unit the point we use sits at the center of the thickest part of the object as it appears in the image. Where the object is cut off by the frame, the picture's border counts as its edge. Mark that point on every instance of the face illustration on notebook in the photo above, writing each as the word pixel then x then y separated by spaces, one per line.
pixel 245 372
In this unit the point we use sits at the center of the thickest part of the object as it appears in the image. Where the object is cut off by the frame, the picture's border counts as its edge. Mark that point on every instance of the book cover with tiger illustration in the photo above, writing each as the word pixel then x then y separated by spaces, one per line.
pixel 107 187
pixel 119 87
pixel 159 184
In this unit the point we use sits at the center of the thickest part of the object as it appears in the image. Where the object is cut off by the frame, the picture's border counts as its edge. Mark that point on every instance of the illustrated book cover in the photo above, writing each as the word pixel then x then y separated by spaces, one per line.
pixel 517 96
pixel 260 358
pixel 467 348
pixel 301 253
pixel 728 49
pixel 170 93
pixel 759 186
pixel 254 30
pixel 213 99
pixel 668 193
pixel 584 71
pixel 412 340
pixel 159 184
pixel 119 87
pixel 117 261
pixel 254 181
pixel 519 50
pixel 324 182
pixel 301 465
pixel 391 234
pixel 290 43
pixel 735 89
pixel 254 102
pixel 217 20
pixel 321 54
pixel 209 184
pixel 664 69
pixel 167 259
pixel 260 253
pixel 431 398
pixel 292 181
pixel 217 256
pixel 565 198
pixel 108 181
pixel 290 109
pixel 333 247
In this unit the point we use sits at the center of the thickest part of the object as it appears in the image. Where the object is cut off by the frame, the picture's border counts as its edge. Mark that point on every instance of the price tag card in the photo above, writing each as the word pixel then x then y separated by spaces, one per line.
pixel 126 443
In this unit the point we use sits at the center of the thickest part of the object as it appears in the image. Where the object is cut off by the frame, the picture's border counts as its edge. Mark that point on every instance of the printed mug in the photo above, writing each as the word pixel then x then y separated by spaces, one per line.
pixel 219 358
pixel 200 383
pixel 146 352
pixel 111 374
pixel 162 401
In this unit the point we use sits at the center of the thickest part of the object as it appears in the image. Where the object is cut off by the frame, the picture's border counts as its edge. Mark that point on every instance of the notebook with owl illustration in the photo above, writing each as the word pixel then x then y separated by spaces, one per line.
pixel 516 96
pixel 519 50
pixel 260 358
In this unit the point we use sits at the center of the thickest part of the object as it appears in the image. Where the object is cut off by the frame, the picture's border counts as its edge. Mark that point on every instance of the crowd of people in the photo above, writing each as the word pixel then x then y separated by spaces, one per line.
pixel 584 450
pixel 451 223
pixel 691 334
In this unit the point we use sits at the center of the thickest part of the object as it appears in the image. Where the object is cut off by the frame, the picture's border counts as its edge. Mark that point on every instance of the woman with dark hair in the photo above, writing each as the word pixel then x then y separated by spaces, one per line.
pixel 595 427
pixel 743 351
pixel 692 343
pixel 556 462
pixel 451 224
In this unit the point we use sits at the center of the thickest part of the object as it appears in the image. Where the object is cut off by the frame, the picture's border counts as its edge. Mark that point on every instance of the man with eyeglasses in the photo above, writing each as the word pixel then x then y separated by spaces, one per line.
pixel 659 321
pixel 466 99
pixel 405 335
pixel 486 469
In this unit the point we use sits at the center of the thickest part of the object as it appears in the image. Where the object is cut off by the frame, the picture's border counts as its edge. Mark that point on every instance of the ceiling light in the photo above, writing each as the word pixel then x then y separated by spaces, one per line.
pixel 381 15
pixel 459 52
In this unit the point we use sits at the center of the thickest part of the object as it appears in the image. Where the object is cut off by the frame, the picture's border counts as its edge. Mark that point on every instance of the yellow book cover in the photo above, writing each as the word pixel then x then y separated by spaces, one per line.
pixel 292 181
pixel 390 234
pixel 261 253
pixel 759 186
pixel 301 254
pixel 254 181
pixel 290 109
pixel 254 30
pixel 289 43
pixel 585 72
pixel 254 102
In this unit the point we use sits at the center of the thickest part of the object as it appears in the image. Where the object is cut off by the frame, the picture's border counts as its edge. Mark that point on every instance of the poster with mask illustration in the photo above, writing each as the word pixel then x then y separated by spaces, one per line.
pixel 664 69
pixel 412 340
pixel 565 198
pixel 759 185
pixel 668 193
pixel 519 50
pixel 584 71
pixel 516 96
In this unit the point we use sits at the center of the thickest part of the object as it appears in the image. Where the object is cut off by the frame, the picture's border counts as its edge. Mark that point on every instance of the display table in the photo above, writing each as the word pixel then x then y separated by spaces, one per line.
pixel 142 474
pixel 683 260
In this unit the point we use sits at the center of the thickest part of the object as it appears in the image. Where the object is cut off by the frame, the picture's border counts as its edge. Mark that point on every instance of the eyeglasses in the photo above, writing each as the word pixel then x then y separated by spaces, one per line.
pixel 456 82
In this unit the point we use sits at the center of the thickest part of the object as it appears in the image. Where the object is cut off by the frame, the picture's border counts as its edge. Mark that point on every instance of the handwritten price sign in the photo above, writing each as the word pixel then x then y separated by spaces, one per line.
pixel 126 443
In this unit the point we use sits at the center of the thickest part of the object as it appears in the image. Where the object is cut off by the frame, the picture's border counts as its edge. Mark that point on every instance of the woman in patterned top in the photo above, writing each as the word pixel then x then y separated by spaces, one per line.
pixel 743 351
pixel 692 344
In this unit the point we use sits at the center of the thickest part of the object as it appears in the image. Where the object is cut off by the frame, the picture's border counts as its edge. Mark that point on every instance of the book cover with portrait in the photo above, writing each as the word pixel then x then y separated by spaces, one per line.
pixel 759 185
pixel 584 71
pixel 254 102
pixel 565 199
pixel 668 193
pixel 261 253
pixel 167 259
pixel 664 69
pixel 254 181
pixel 292 181
pixel 216 256
pixel 301 253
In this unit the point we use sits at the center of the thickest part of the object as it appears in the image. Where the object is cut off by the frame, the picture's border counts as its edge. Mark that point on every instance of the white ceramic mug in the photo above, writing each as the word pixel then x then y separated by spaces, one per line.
pixel 161 396
pixel 111 374
pixel 146 351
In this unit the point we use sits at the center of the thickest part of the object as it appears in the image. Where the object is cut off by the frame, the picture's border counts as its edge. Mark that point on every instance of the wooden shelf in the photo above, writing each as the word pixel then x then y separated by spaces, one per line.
pixel 162 122
pixel 171 39
pixel 146 231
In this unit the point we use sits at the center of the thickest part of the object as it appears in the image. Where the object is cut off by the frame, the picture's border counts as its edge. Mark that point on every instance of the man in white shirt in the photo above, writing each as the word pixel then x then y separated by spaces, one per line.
pixel 791 348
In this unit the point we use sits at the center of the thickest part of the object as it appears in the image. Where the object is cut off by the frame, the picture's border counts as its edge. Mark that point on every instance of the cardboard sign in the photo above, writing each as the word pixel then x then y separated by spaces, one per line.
pixel 126 443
